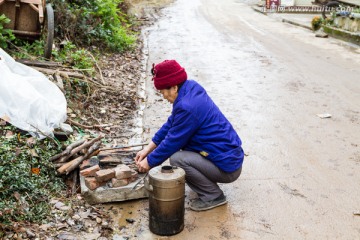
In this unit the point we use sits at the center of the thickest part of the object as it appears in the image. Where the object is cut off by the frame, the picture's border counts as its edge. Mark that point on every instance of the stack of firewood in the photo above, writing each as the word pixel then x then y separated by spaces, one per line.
pixel 110 166
pixel 75 154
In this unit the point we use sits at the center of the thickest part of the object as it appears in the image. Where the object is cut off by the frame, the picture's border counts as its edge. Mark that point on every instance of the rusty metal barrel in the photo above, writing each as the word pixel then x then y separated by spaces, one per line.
pixel 166 186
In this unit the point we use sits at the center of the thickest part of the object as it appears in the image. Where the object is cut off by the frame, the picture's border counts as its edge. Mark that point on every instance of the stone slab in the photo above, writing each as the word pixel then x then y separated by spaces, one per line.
pixel 105 194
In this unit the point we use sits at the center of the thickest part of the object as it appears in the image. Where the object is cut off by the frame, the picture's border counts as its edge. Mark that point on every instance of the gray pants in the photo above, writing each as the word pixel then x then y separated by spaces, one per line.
pixel 202 175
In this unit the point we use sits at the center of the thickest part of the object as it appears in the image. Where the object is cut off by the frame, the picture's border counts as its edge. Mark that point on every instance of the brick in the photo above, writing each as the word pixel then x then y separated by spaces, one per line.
pixel 92 184
pixel 90 172
pixel 105 175
pixel 89 163
pixel 122 171
pixel 119 182
pixel 109 159
pixel 134 176
pixel 85 164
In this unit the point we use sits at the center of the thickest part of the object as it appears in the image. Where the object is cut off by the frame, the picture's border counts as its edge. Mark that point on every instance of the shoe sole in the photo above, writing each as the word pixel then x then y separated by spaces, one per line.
pixel 208 208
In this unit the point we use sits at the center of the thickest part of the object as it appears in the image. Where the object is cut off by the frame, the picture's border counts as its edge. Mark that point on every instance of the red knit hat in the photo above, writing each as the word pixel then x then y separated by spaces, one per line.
pixel 167 74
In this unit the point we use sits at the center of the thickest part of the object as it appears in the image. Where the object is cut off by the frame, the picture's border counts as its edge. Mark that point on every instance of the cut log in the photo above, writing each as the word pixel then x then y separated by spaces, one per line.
pixel 67 150
pixel 59 165
pixel 92 151
pixel 73 152
pixel 65 74
pixel 87 126
pixel 74 186
pixel 126 147
pixel 39 64
pixel 79 148
pixel 62 169
pixel 59 82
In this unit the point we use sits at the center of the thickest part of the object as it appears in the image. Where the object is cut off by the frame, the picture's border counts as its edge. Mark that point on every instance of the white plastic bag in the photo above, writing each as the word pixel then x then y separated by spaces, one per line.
pixel 28 100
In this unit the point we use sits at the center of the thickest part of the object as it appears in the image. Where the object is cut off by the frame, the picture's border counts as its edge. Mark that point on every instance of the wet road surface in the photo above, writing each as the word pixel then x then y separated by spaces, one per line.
pixel 301 177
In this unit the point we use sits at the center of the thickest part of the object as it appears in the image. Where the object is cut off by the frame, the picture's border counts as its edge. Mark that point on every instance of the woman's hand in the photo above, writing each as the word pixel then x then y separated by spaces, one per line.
pixel 144 152
pixel 143 165
pixel 141 155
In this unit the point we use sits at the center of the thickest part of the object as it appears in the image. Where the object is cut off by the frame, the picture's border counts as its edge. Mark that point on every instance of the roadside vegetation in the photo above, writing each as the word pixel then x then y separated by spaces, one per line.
pixel 27 179
pixel 84 29
pixel 82 26
pixel 339 10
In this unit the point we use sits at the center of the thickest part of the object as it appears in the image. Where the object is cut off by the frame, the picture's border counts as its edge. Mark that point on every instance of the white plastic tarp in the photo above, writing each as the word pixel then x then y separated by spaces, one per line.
pixel 28 99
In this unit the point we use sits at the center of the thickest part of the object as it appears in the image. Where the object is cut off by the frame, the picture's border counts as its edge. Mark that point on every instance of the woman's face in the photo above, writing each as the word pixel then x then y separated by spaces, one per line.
pixel 170 94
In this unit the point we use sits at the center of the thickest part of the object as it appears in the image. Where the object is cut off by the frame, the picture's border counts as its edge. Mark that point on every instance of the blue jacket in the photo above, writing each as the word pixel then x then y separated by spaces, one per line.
pixel 196 124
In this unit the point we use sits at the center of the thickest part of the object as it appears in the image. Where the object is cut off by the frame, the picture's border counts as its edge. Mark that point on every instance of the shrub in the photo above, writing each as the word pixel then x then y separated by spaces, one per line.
pixel 76 57
pixel 5 34
pixel 25 192
pixel 316 23
pixel 94 22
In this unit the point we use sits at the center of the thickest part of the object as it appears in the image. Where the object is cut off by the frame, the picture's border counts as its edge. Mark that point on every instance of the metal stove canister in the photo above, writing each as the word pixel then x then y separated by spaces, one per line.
pixel 166 186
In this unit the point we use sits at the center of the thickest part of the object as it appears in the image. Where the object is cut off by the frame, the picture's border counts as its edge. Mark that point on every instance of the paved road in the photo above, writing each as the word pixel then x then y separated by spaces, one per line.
pixel 301 177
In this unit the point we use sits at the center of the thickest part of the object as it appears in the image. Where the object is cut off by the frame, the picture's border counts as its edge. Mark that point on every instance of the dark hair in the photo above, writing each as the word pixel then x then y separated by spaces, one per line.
pixel 179 85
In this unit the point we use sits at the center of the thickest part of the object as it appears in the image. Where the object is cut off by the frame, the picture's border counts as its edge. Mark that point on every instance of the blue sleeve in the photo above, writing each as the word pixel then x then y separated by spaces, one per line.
pixel 183 127
pixel 162 132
